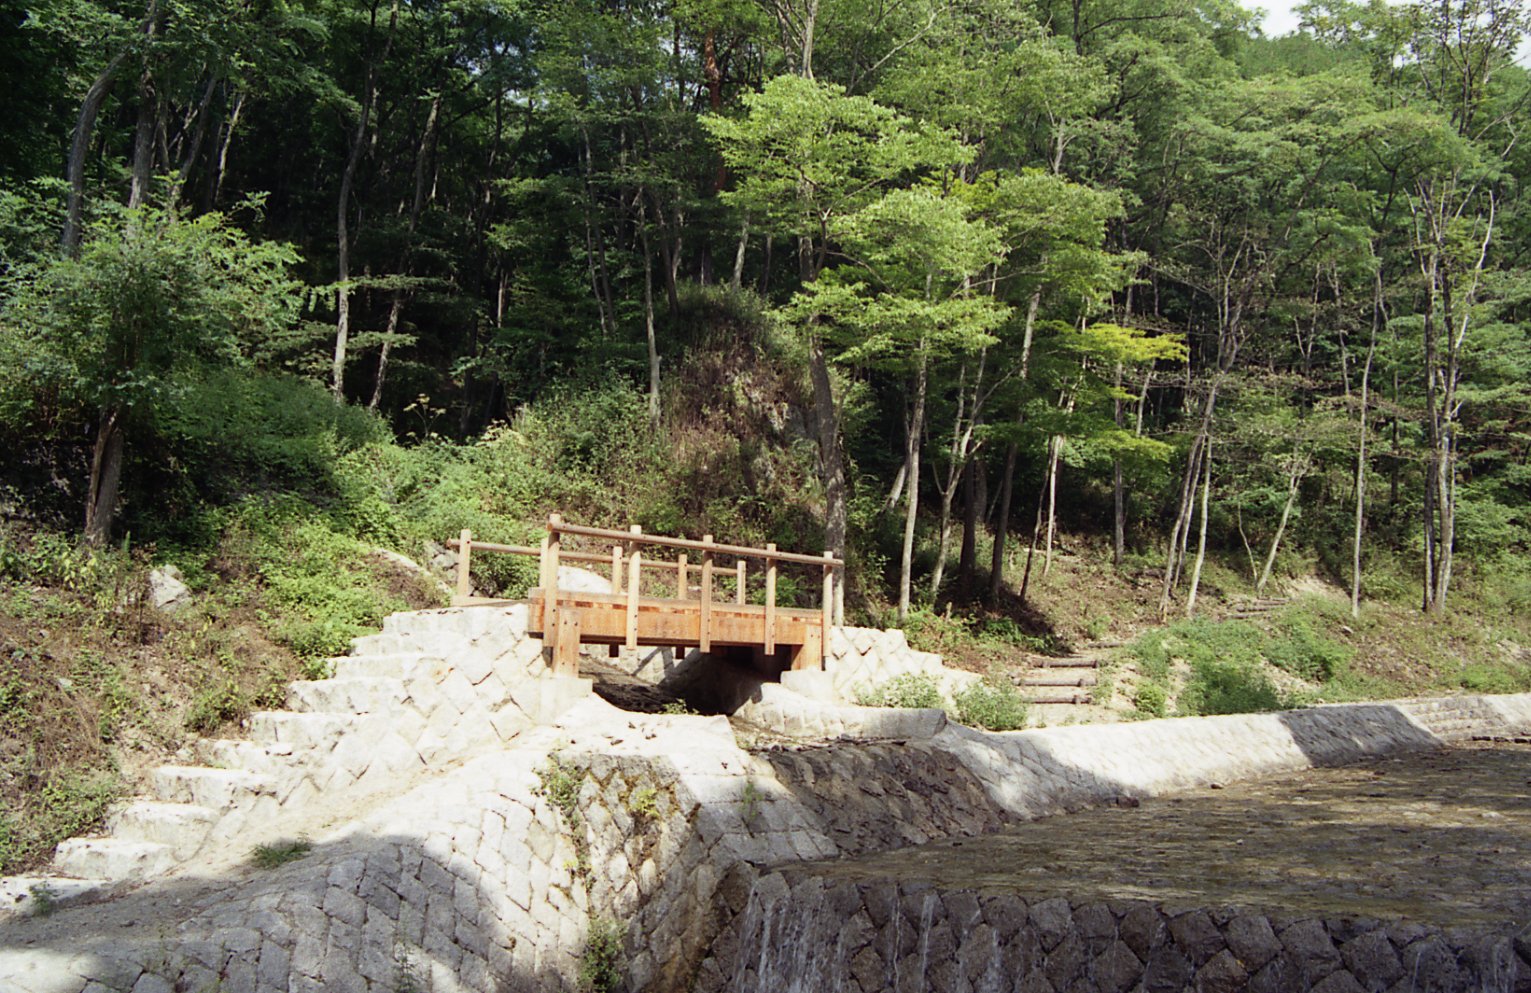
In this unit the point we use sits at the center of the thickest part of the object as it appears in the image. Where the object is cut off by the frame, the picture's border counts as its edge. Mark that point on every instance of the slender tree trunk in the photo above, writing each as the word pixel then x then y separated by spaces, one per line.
pixel 407 264
pixel 972 507
pixel 1366 376
pixel 342 216
pixel 105 476
pixel 1201 542
pixel 744 240
pixel 1052 503
pixel 224 142
pixel 1012 453
pixel 648 316
pixel 912 505
pixel 79 147
pixel 1293 483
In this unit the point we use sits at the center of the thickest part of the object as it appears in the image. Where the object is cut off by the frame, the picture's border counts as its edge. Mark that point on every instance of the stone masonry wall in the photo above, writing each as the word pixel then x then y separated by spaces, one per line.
pixel 799 933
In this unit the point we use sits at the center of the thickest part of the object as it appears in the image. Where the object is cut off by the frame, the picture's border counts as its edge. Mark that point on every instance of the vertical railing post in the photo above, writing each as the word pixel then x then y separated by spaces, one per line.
pixel 739 583
pixel 464 554
pixel 550 582
pixel 682 578
pixel 770 599
pixel 634 582
pixel 616 569
pixel 827 608
pixel 706 633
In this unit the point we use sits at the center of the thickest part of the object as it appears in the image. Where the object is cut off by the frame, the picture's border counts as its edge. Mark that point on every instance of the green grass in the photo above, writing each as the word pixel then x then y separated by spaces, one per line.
pixel 994 704
pixel 279 853
pixel 909 691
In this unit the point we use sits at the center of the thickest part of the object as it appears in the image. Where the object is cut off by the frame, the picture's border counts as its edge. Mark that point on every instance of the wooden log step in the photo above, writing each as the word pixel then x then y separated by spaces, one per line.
pixel 1057 681
pixel 1068 663
pixel 1078 698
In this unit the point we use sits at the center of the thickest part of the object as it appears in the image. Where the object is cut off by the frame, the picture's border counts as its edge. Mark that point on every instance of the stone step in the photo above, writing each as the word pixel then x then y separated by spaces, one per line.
pixel 219 789
pixel 251 756
pixel 379 644
pixel 403 665
pixel 360 695
pixel 113 859
pixel 301 731
pixel 181 827
pixel 20 894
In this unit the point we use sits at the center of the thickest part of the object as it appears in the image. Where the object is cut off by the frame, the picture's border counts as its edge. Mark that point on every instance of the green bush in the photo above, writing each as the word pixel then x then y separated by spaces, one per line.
pixel 1227 688
pixel 1151 699
pixel 1305 652
pixel 600 966
pixel 909 691
pixel 215 706
pixel 1483 677
pixel 992 704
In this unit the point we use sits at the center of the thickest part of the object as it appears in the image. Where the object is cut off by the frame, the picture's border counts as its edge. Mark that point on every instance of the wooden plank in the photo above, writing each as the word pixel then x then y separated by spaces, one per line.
pixel 827 607
pixel 464 561
pixel 704 641
pixel 739 582
pixel 616 568
pixel 606 534
pixel 566 651
pixel 682 578
pixel 634 582
pixel 770 598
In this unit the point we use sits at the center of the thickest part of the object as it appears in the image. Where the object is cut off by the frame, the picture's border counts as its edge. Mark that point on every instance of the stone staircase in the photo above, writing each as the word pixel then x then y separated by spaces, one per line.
pixel 432 688
pixel 1452 718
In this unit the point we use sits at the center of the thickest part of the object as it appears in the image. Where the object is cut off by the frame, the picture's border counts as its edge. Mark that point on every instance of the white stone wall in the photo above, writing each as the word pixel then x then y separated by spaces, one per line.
pixel 860 659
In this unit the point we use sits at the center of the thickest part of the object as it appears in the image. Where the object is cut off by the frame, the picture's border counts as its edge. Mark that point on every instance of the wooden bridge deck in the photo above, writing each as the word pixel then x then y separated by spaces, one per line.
pixel 607 619
pixel 567 619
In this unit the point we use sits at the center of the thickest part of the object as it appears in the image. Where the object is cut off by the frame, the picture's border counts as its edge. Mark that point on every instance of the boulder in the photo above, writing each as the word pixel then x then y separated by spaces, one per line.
pixel 167 591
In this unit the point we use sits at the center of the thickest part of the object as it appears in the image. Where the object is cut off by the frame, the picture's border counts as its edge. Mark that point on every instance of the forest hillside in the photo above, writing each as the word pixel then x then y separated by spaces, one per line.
pixel 1066 324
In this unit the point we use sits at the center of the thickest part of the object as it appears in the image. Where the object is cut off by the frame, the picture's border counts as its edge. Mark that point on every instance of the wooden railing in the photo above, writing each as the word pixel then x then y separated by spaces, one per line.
pixel 627 561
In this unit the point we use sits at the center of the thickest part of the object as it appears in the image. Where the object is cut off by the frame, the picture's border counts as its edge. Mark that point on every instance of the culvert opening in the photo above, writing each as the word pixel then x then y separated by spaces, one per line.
pixel 656 680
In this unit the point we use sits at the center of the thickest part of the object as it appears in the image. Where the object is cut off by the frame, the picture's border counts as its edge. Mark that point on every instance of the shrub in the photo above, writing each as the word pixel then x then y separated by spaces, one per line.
pixel 1482 677
pixel 1151 699
pixel 1228 688
pixel 991 704
pixel 910 691
pixel 1304 651
pixel 216 705
pixel 600 966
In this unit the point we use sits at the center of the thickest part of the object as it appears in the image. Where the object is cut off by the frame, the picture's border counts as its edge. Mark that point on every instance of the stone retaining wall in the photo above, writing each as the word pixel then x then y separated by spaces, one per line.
pixel 799 933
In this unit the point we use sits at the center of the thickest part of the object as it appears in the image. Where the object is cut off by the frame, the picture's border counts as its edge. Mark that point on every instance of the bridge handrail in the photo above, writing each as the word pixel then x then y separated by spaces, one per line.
pixel 624 548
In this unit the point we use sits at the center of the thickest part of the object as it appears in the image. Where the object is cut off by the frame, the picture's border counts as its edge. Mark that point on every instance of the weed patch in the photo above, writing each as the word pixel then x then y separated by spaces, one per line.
pixel 279 853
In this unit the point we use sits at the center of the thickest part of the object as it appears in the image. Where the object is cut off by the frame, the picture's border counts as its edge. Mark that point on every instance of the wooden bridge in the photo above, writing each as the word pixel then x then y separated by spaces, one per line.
pixel 566 619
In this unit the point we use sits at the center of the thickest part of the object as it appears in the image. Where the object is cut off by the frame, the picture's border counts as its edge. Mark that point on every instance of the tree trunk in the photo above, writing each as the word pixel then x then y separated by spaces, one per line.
pixel 648 316
pixel 1366 376
pixel 1201 542
pixel 744 240
pixel 1293 483
pixel 912 505
pixel 1012 452
pixel 972 506
pixel 407 265
pixel 831 463
pixel 105 477
pixel 342 217
pixel 1118 491
pixel 1052 503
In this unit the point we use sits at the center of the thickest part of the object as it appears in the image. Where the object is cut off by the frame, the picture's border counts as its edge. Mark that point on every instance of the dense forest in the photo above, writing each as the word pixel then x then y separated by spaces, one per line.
pixel 1053 318
pixel 901 276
